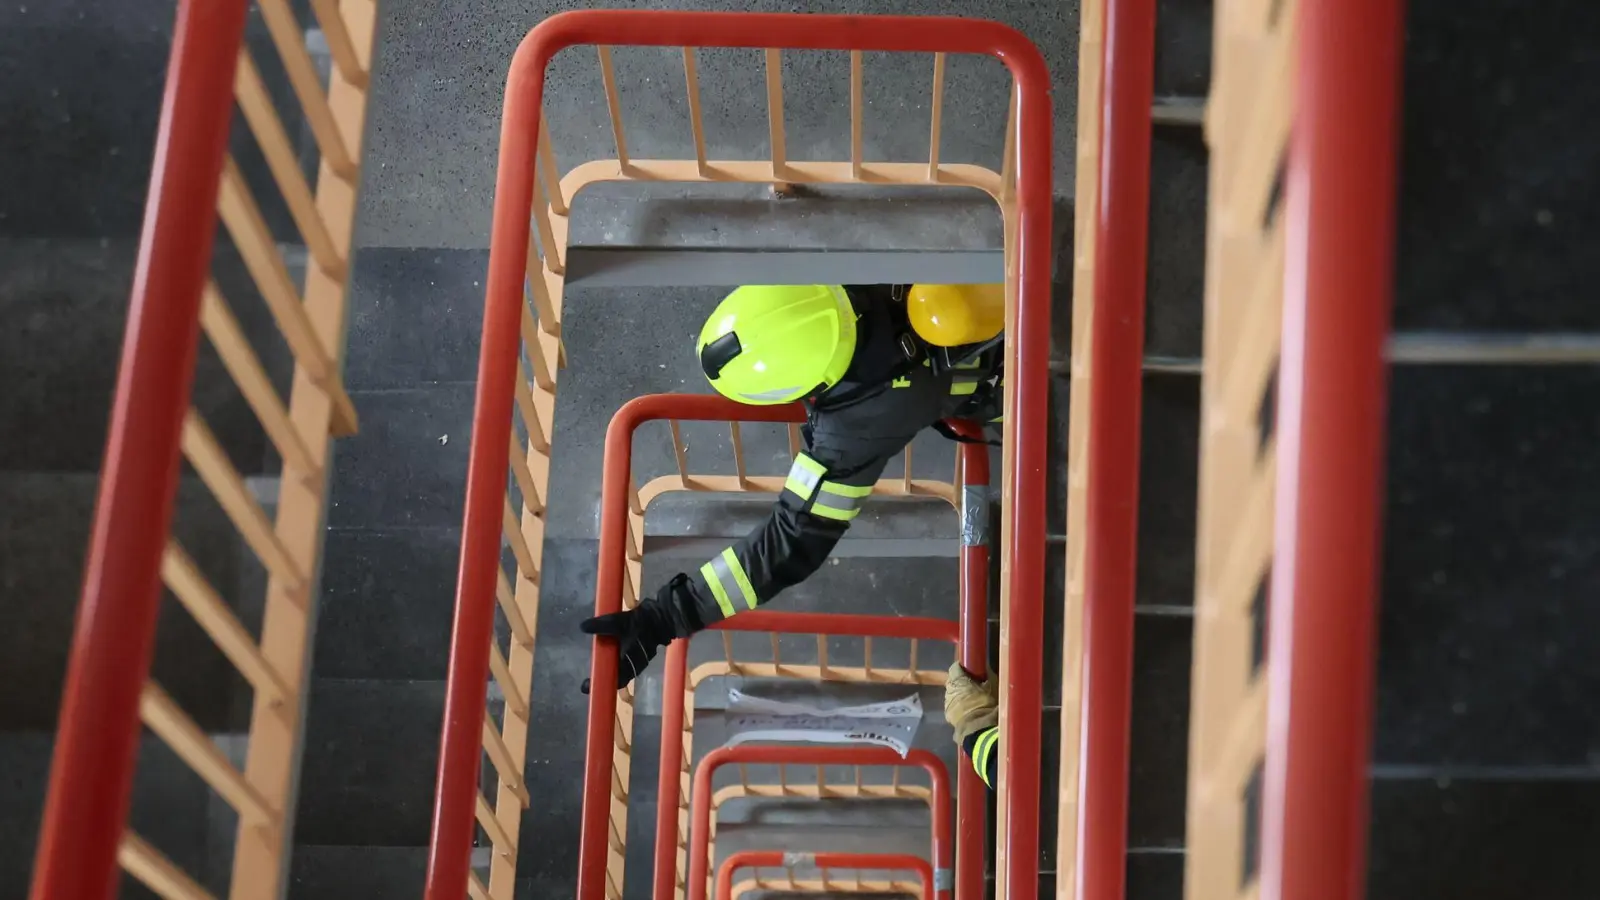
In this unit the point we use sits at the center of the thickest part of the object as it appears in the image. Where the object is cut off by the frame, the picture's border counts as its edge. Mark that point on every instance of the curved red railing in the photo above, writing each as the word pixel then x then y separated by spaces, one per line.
pixel 1116 383
pixel 1027 408
pixel 91 776
pixel 1339 208
pixel 772 859
pixel 812 755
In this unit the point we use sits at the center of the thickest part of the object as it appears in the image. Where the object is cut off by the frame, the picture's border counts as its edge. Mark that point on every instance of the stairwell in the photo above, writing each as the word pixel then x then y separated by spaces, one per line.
pixel 1484 767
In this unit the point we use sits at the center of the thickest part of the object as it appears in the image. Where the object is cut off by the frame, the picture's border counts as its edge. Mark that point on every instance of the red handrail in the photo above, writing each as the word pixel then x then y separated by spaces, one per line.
pixel 1339 202
pixel 751 859
pixel 91 777
pixel 1116 381
pixel 1027 407
pixel 811 755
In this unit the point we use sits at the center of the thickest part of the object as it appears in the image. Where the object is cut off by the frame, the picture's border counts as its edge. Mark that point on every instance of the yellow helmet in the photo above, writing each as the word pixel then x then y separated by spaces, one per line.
pixel 769 344
pixel 949 315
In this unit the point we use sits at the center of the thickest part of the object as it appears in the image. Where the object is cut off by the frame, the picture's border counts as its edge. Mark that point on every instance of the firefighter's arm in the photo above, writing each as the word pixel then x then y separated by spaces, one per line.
pixel 818 503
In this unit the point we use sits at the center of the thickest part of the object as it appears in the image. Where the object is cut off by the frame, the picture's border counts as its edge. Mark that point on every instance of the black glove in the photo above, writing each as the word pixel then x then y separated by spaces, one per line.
pixel 645 629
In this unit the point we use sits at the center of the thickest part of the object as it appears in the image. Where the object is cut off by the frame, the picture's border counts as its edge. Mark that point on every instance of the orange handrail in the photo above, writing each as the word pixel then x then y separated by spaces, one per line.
pixel 1027 408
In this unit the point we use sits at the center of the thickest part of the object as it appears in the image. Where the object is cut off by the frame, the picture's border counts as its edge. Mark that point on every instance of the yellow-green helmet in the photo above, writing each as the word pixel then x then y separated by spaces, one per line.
pixel 775 343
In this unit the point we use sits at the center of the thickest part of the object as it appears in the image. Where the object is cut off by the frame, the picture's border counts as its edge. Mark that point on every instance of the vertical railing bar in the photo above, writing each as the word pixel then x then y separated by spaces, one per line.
pixel 551 254
pixel 515 704
pixel 937 124
pixel 856 103
pixel 794 439
pixel 913 666
pixel 162 715
pixel 1008 160
pixel 511 524
pixel 156 872
pixel 678 453
pixel 613 103
pixel 531 498
pixel 537 290
pixel 340 47
pixel 727 651
pixel 307 83
pixel 542 374
pixel 498 836
pixel 504 765
pixel 777 664
pixel 211 463
pixel 536 432
pixel 738 454
pixel 256 105
pixel 241 361
pixel 905 484
pixel 822 655
pixel 549 168
pixel 774 59
pixel 208 609
pixel 691 78
pixel 513 613
pixel 866 657
pixel 253 239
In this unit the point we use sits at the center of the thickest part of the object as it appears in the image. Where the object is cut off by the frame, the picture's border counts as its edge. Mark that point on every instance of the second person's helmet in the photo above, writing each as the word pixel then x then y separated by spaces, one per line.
pixel 768 344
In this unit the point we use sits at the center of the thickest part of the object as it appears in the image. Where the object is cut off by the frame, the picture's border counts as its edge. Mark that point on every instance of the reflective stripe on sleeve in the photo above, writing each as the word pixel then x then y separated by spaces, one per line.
pixel 730 565
pixel 727 580
pixel 982 750
pixel 709 573
pixel 841 502
pixel 804 477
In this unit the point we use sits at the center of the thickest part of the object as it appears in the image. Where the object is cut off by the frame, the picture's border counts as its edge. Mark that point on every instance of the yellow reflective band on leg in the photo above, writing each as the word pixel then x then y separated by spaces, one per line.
pixel 804 476
pixel 832 506
pixel 731 560
pixel 847 490
pixel 841 502
pixel 982 750
pixel 715 583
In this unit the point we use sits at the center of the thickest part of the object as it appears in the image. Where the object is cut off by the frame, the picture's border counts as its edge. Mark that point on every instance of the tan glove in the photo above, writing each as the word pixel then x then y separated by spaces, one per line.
pixel 969 706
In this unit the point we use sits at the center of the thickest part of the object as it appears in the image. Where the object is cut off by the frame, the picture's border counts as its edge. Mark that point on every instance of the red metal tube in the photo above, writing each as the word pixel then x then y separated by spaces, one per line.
pixel 96 747
pixel 1116 381
pixel 668 777
pixel 812 755
pixel 1339 202
pixel 841 624
pixel 1027 402
pixel 772 859
pixel 971 793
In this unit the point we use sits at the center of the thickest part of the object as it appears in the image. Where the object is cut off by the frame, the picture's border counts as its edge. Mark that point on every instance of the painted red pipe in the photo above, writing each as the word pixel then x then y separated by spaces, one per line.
pixel 811 755
pixel 97 745
pixel 1110 550
pixel 1339 209
pixel 772 859
pixel 972 800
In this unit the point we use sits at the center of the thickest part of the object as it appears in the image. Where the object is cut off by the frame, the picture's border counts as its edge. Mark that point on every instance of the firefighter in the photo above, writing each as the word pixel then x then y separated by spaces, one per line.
pixel 865 361
pixel 973 710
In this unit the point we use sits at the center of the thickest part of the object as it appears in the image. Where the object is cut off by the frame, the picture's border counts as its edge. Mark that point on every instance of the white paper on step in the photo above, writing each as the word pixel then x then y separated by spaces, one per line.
pixel 892 723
